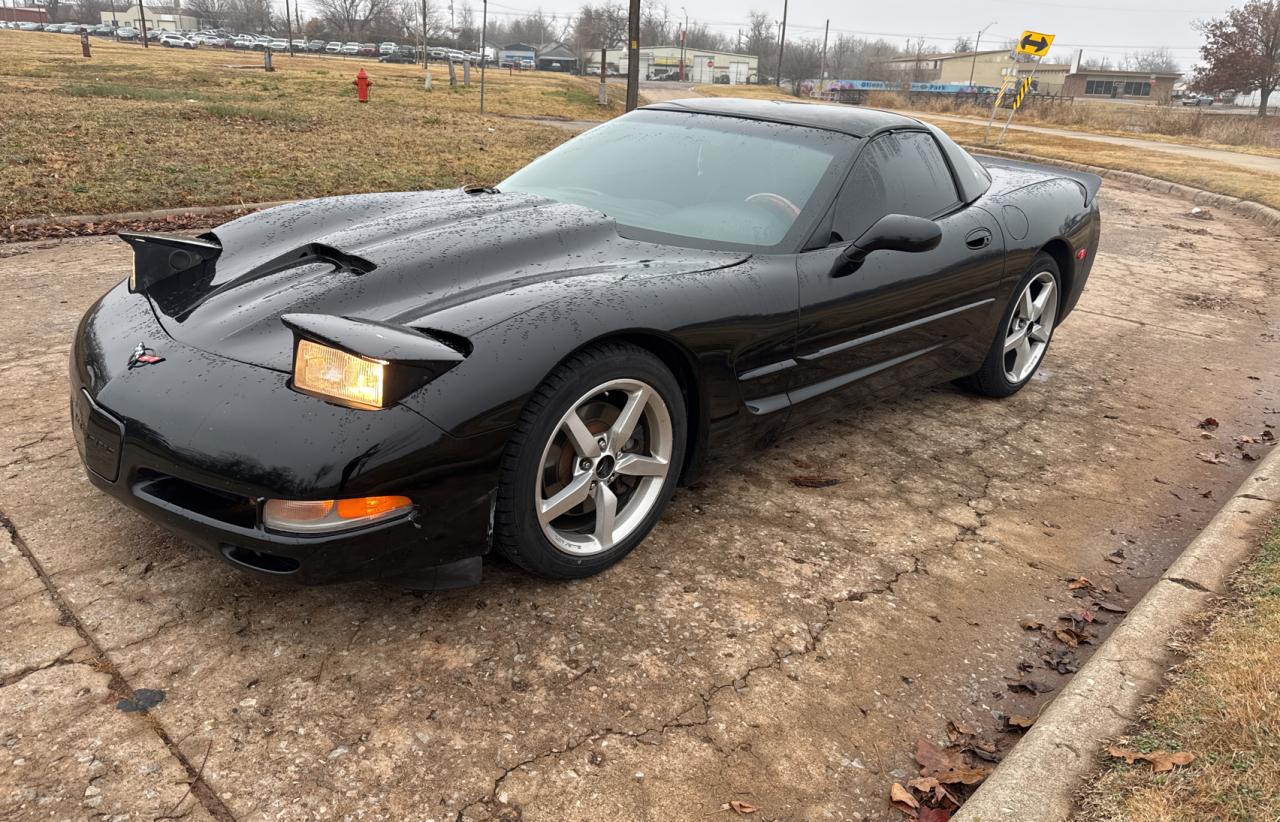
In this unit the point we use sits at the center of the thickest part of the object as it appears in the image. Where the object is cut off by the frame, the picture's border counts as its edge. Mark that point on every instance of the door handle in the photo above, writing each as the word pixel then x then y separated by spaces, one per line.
pixel 978 238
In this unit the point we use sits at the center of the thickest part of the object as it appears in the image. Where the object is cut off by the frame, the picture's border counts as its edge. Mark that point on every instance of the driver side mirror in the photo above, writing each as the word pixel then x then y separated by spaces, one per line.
pixel 892 232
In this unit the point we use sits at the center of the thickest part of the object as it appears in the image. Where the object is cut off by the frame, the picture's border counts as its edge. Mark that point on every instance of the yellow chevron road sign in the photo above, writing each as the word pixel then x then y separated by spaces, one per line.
pixel 1004 86
pixel 1023 88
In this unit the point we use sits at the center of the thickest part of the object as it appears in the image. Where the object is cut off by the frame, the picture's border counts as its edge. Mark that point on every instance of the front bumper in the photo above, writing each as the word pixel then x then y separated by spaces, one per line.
pixel 197 443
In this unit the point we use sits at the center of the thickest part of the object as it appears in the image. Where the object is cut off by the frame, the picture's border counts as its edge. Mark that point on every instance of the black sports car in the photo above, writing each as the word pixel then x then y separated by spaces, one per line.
pixel 391 385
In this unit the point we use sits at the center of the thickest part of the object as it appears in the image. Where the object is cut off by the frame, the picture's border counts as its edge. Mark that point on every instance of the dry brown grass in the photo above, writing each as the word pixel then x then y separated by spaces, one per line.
pixel 1189 126
pixel 138 129
pixel 133 129
pixel 1223 706
pixel 1209 175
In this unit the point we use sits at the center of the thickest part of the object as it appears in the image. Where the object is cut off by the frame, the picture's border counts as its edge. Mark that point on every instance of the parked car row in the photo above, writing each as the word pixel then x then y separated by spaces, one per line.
pixel 387 52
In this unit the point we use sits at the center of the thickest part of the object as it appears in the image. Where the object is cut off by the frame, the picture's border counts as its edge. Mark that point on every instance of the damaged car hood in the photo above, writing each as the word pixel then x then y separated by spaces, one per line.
pixel 404 259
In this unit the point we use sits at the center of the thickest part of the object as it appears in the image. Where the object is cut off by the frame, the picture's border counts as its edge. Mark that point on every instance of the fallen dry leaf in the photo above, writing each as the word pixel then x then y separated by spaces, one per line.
pixel 1019 721
pixel 1078 615
pixel 1209 424
pixel 899 795
pixel 927 784
pixel 933 815
pixel 947 766
pixel 1161 761
pixel 742 807
pixel 1069 637
pixel 1030 624
pixel 1213 458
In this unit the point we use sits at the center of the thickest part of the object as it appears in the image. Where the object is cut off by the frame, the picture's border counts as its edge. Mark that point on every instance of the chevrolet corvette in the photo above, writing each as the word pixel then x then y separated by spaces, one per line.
pixel 391 386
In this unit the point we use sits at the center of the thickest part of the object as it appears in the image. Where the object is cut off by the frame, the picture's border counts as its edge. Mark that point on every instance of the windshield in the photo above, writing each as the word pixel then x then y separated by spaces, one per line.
pixel 710 180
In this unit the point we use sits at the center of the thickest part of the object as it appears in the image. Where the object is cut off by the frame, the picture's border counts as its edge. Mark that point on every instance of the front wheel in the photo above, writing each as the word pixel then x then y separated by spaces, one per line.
pixel 592 463
pixel 1023 336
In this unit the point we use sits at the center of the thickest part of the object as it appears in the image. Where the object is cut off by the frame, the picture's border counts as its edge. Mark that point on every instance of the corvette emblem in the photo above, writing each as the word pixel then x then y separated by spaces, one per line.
pixel 143 356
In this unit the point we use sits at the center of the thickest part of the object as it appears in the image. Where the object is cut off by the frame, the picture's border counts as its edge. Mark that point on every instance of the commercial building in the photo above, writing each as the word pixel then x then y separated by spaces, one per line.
pixel 989 68
pixel 516 53
pixel 24 15
pixel 700 65
pixel 166 18
pixel 556 57
pixel 1104 83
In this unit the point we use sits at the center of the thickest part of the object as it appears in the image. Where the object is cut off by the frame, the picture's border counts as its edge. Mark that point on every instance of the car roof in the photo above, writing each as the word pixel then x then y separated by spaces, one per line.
pixel 852 120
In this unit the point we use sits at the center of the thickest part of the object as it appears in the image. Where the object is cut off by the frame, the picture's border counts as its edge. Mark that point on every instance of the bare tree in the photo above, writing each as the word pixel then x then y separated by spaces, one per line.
pixel 801 61
pixel 1242 51
pixel 962 45
pixel 760 41
pixel 655 23
pixel 1154 60
pixel 352 18
pixel 602 26
pixel 212 12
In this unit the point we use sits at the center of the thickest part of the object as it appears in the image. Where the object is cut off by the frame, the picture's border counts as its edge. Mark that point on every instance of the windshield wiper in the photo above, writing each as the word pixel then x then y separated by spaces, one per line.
pixel 477 189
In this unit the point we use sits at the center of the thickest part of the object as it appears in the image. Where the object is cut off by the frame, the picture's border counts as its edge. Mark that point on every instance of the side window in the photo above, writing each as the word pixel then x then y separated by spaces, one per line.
pixel 901 173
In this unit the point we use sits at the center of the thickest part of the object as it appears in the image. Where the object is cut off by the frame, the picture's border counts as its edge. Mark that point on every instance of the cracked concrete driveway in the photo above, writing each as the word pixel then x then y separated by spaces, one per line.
pixel 770 643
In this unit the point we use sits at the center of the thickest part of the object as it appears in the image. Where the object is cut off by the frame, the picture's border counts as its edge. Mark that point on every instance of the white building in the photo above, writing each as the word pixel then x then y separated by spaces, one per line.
pixel 700 65
pixel 159 18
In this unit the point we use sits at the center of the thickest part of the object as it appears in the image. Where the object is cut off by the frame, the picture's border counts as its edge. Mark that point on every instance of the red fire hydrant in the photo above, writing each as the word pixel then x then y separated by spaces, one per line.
pixel 362 83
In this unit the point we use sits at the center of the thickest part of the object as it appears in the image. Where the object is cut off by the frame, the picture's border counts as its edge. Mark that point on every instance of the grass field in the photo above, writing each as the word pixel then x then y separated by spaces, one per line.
pixel 1206 174
pixel 1243 133
pixel 133 129
pixel 1223 707
pixel 1198 173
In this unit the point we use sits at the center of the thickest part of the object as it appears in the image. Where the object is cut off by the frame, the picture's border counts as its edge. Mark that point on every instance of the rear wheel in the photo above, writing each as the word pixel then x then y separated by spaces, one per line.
pixel 592 464
pixel 1024 333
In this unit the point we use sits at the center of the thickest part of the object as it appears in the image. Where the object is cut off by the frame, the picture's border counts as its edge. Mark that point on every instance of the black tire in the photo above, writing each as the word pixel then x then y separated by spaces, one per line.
pixel 517 532
pixel 991 380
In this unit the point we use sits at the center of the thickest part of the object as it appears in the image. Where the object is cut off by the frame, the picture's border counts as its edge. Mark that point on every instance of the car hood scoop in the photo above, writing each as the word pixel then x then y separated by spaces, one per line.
pixel 395 258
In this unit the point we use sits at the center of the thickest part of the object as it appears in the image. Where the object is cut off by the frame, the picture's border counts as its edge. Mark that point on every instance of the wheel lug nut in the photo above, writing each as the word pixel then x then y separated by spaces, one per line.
pixel 584 464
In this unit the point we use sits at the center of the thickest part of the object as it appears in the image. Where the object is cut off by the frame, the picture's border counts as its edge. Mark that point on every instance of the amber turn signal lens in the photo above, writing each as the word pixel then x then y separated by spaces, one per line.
pixel 370 506
pixel 319 369
pixel 318 516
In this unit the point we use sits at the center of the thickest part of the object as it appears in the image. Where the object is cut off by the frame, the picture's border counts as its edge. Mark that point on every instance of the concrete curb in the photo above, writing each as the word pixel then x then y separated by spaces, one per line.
pixel 1257 212
pixel 1040 776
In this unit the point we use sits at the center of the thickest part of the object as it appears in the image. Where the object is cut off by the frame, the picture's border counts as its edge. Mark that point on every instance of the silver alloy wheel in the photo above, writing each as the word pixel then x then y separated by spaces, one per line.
pixel 1030 327
pixel 604 467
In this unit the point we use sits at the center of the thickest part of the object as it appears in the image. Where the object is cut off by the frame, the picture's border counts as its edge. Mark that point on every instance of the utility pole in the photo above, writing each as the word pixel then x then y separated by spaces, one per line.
pixel 425 61
pixel 484 47
pixel 142 15
pixel 633 55
pixel 976 44
pixel 822 65
pixel 782 42
pixel 297 16
pixel 684 36
pixel 288 27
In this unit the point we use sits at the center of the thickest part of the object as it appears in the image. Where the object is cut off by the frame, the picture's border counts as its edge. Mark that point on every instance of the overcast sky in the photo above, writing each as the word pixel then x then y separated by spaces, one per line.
pixel 1098 26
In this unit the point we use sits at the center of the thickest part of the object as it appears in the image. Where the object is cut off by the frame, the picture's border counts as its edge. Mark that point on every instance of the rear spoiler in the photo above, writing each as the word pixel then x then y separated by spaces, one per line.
pixel 1089 182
